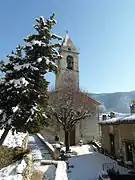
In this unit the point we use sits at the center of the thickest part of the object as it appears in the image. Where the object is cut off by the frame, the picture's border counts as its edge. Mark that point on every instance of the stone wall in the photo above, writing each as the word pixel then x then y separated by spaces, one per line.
pixel 105 137
pixel 89 128
pixel 25 142
pixel 28 171
pixel 65 76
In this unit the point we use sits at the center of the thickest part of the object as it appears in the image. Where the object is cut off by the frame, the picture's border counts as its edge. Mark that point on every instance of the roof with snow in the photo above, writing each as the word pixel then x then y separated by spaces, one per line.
pixel 126 119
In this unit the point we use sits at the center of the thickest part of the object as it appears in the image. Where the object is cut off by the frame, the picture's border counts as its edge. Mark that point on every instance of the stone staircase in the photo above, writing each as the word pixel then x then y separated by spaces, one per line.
pixel 43 159
pixel 38 149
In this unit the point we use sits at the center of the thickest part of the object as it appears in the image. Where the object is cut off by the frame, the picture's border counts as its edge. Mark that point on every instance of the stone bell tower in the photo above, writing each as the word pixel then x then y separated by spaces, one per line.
pixel 68 74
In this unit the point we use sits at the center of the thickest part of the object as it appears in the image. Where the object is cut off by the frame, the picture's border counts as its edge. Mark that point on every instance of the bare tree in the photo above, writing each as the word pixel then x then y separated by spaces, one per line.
pixel 70 106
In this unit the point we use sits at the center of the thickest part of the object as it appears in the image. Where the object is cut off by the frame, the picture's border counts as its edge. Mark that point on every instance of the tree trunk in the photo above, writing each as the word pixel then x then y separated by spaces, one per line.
pixel 67 140
pixel 4 135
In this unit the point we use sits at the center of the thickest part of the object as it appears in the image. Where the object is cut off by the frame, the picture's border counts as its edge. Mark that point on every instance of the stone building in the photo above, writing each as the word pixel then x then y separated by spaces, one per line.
pixel 118 136
pixel 68 76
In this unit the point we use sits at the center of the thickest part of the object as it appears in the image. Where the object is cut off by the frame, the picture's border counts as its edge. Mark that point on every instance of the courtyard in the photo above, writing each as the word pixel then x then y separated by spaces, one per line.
pixel 88 164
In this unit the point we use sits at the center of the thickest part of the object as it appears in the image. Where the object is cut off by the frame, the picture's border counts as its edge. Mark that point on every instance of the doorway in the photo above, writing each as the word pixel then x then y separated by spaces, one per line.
pixel 112 144
pixel 128 150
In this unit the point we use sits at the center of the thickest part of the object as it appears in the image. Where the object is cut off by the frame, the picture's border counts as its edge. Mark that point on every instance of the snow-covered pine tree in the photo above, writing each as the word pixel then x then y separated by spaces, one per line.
pixel 11 87
pixel 41 53
pixel 23 97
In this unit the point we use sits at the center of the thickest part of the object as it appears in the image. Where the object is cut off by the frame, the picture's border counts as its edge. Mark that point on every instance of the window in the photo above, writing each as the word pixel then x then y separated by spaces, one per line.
pixel 70 63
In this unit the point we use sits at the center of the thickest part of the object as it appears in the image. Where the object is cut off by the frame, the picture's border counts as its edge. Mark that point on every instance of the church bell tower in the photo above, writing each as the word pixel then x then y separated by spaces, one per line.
pixel 68 73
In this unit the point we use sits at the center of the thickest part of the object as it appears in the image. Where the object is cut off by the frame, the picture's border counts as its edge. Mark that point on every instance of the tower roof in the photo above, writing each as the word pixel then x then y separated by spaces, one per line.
pixel 66 39
pixel 67 42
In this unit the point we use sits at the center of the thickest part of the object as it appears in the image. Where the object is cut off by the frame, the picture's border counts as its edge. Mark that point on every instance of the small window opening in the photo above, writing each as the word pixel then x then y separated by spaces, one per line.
pixel 70 63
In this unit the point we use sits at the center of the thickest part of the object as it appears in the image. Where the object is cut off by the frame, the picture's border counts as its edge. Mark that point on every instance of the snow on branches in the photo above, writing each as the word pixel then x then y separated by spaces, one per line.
pixel 23 88
pixel 42 45
pixel 70 106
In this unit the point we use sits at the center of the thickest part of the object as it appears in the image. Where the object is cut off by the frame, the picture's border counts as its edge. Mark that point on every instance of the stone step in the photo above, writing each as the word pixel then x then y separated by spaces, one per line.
pixel 38 149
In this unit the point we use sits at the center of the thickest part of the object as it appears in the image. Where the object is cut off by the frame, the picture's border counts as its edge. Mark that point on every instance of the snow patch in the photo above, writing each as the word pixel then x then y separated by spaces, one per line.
pixel 39 59
pixel 10 172
pixel 15 109
pixel 61 171
pixel 14 140
pixel 19 82
pixel 34 42
pixel 20 168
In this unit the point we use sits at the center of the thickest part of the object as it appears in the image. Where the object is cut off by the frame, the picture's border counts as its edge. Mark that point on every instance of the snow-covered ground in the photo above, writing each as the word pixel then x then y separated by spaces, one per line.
pixel 14 140
pixel 88 164
pixel 10 172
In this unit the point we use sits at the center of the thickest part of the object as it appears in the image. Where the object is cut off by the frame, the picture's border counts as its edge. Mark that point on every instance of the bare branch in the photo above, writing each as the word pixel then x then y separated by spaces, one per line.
pixel 57 117
pixel 70 106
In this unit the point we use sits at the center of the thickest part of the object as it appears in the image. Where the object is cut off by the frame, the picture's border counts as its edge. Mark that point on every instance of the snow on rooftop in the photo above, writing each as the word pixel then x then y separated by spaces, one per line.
pixel 119 119
pixel 131 117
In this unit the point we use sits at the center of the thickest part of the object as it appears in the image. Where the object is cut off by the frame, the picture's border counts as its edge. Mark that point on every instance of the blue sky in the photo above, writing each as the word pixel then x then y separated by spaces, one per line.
pixel 103 30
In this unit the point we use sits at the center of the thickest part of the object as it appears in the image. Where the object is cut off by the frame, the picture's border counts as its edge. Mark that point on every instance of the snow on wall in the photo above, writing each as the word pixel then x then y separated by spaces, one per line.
pixel 61 171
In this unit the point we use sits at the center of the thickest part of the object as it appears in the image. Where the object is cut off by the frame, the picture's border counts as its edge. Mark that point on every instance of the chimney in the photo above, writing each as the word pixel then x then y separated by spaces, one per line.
pixel 132 107
pixel 104 117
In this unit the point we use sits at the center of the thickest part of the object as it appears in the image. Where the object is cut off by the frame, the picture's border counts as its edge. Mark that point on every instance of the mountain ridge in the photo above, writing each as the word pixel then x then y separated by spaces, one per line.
pixel 117 101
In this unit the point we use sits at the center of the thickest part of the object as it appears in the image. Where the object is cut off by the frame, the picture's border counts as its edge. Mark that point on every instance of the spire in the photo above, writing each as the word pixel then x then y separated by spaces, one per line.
pixel 68 45
pixel 66 39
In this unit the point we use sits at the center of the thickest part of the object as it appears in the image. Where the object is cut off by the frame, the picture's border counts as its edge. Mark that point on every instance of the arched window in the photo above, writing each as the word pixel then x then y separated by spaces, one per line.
pixel 70 63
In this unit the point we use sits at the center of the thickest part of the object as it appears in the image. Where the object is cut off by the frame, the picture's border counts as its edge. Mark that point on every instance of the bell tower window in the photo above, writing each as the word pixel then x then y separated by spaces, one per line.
pixel 70 63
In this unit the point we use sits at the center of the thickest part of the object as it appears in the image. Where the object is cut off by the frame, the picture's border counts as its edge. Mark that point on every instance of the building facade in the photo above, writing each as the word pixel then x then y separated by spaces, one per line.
pixel 118 136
